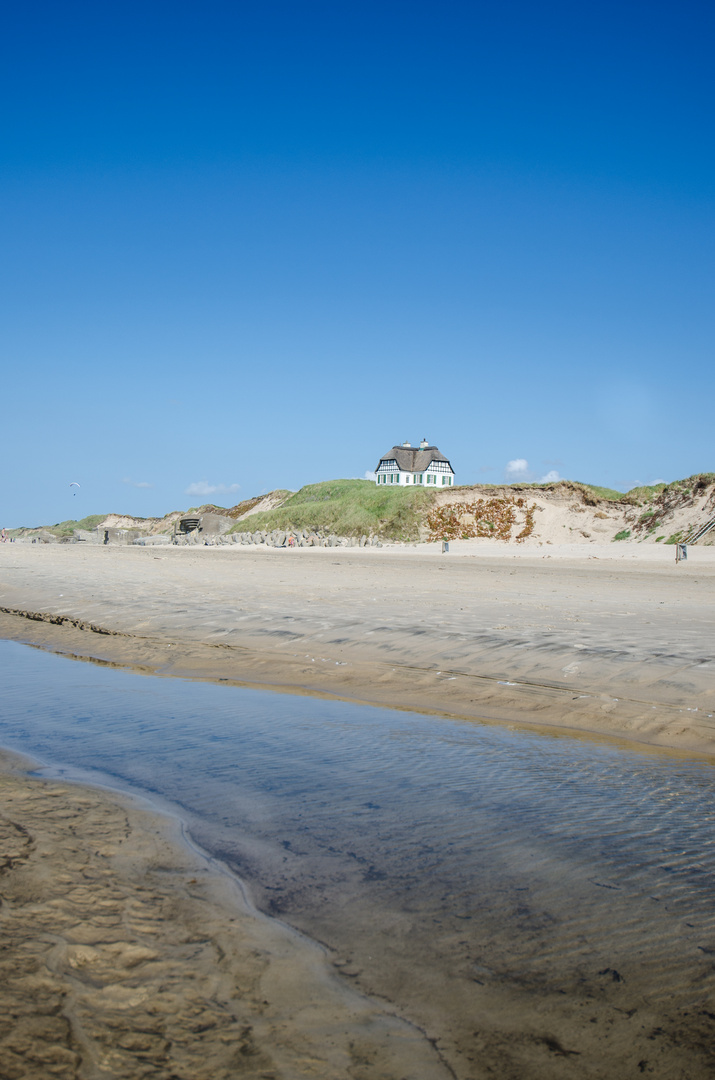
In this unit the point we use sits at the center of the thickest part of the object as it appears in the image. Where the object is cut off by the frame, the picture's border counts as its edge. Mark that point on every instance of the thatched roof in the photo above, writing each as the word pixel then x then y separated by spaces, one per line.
pixel 413 458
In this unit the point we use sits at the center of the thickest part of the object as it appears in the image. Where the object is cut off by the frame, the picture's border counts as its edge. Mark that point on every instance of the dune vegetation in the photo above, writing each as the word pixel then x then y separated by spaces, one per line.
pixel 348 508
pixel 63 528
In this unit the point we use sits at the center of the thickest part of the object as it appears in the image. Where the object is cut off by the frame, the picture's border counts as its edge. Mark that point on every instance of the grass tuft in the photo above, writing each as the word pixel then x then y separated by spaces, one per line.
pixel 676 537
pixel 610 494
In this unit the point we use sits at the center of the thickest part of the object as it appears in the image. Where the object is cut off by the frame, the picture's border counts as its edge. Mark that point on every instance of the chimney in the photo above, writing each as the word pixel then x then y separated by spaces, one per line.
pixel 424 444
pixel 407 444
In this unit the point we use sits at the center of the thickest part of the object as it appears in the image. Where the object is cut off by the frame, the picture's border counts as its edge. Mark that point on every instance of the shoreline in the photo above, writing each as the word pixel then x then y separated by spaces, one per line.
pixel 196 665
pixel 128 950
pixel 504 639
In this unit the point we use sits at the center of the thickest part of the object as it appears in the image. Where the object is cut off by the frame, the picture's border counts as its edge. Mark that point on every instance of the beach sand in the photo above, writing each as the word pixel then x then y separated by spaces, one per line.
pixel 126 953
pixel 612 640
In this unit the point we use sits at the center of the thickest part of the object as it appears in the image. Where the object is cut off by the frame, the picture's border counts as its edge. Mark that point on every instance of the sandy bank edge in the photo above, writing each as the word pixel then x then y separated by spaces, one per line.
pixel 549 709
pixel 129 953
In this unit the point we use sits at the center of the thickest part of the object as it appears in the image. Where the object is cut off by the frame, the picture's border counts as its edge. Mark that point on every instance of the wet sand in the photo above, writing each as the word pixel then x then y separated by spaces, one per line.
pixel 613 640
pixel 534 904
pixel 126 953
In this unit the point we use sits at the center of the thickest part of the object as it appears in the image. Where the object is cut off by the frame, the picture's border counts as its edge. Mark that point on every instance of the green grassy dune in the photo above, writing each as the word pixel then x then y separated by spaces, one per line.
pixel 347 508
pixel 63 528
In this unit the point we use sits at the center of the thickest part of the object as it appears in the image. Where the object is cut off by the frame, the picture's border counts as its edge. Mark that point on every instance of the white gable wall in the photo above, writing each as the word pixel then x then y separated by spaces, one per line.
pixel 437 474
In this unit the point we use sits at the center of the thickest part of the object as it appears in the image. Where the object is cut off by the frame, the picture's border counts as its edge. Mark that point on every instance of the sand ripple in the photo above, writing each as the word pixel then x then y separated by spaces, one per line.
pixel 126 955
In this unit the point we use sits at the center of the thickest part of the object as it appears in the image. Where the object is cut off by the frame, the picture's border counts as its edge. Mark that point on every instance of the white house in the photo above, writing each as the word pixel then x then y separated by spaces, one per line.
pixel 407 464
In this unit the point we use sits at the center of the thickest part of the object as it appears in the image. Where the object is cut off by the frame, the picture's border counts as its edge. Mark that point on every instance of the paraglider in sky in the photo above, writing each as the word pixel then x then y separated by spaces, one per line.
pixel 74 484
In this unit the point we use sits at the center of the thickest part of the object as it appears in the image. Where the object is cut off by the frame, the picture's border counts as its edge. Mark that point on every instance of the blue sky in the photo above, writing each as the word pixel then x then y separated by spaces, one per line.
pixel 248 246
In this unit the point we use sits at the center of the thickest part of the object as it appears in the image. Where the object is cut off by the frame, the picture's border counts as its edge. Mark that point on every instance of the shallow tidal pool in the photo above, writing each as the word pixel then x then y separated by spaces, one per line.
pixel 540 906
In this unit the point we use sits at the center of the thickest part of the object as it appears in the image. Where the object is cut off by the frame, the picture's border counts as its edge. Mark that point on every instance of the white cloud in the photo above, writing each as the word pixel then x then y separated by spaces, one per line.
pixel 137 483
pixel 628 485
pixel 202 487
pixel 370 475
pixel 518 469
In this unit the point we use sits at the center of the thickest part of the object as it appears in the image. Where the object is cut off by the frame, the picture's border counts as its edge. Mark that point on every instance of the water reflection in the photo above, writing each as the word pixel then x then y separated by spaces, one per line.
pixel 531 902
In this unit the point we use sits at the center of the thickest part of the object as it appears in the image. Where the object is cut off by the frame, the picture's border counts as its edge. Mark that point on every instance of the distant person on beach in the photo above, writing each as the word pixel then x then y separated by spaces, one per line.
pixel 3 537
